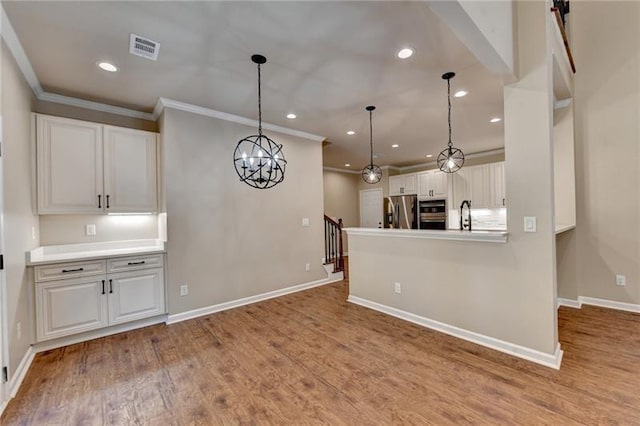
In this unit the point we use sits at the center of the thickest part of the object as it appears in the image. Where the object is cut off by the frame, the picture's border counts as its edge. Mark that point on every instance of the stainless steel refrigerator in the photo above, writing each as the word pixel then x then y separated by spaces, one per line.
pixel 401 211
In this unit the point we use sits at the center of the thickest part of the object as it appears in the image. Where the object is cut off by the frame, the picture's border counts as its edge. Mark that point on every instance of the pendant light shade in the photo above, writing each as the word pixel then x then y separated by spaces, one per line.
pixel 451 159
pixel 258 160
pixel 371 173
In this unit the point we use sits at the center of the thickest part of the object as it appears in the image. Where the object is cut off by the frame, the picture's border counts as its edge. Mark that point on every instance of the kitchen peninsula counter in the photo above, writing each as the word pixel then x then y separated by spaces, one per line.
pixel 450 234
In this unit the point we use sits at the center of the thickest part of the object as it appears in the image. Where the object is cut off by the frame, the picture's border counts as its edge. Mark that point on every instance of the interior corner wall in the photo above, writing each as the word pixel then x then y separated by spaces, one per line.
pixel 227 240
pixel 342 199
pixel 17 100
pixel 606 48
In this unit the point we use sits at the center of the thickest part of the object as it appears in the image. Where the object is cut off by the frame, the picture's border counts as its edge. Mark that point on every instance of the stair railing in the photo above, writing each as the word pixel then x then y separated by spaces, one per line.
pixel 333 252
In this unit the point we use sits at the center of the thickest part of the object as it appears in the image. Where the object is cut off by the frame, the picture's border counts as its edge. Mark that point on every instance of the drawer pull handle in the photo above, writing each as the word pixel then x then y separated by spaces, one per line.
pixel 64 271
pixel 136 263
pixel 110 286
pixel 103 287
pixel 99 201
pixel 108 201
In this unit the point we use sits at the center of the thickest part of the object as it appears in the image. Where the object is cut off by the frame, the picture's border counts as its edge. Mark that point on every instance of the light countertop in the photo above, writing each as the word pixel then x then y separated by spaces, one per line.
pixel 450 234
pixel 86 251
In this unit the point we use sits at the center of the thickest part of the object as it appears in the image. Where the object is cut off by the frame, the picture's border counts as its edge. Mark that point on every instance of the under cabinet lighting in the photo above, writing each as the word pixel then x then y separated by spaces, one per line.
pixel 395 145
pixel 351 132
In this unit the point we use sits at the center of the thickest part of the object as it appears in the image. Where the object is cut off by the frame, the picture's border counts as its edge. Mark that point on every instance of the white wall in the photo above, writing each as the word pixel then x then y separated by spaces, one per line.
pixel 227 240
pixel 17 99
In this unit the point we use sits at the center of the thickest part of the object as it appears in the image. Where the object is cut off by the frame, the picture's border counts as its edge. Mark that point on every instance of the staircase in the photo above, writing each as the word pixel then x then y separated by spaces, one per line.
pixel 333 252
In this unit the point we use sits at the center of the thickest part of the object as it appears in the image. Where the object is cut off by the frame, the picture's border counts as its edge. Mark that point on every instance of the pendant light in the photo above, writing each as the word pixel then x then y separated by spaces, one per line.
pixel 451 159
pixel 371 173
pixel 258 160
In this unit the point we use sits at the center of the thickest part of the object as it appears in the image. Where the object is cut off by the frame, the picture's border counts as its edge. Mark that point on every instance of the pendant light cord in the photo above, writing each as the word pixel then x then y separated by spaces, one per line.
pixel 449 102
pixel 371 136
pixel 260 103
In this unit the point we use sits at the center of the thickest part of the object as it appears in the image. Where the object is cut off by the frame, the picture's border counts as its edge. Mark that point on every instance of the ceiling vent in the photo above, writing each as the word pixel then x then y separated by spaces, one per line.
pixel 144 47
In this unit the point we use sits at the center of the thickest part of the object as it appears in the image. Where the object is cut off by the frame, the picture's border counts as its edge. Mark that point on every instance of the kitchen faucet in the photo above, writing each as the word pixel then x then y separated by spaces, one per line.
pixel 467 222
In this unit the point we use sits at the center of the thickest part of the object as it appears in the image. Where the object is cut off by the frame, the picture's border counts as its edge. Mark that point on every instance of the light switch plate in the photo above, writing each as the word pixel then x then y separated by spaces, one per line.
pixel 305 221
pixel 529 224
pixel 91 230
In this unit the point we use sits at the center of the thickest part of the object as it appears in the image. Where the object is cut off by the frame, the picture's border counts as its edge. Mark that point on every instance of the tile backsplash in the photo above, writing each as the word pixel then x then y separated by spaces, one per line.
pixel 481 219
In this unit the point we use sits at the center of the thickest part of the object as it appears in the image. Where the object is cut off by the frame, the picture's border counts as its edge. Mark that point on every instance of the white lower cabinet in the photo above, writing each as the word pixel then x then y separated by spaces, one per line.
pixel 136 295
pixel 69 306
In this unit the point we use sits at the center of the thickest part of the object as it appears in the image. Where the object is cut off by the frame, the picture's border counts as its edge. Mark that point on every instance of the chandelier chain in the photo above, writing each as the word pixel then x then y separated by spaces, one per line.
pixel 449 102
pixel 260 103
pixel 371 136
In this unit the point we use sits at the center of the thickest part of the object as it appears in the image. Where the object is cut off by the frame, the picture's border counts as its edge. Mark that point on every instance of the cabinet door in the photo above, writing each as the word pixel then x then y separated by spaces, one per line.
pixel 396 185
pixel 424 185
pixel 497 184
pixel 461 187
pixel 69 158
pixel 130 181
pixel 479 186
pixel 439 186
pixel 135 295
pixel 410 184
pixel 68 307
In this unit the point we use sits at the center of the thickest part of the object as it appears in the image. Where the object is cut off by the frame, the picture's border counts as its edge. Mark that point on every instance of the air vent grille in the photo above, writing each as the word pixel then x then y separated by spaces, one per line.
pixel 144 47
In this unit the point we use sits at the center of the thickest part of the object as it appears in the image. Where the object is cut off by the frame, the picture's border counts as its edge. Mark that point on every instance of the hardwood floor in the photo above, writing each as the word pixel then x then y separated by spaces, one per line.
pixel 311 357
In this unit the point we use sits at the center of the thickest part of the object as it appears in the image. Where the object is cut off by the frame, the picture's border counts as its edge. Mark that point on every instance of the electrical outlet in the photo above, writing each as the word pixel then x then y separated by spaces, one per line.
pixel 621 280
pixel 184 290
pixel 530 224
pixel 307 267
pixel 305 221
pixel 91 230
pixel 19 330
pixel 397 288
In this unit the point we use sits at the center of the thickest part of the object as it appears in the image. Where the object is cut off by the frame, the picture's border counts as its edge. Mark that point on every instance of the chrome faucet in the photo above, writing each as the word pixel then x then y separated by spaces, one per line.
pixel 465 223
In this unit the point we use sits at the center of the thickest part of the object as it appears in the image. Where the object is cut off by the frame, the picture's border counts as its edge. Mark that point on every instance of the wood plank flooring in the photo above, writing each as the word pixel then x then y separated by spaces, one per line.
pixel 313 358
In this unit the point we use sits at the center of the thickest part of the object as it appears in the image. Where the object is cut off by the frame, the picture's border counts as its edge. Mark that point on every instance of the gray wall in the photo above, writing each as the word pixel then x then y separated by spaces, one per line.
pixel 17 99
pixel 606 47
pixel 227 240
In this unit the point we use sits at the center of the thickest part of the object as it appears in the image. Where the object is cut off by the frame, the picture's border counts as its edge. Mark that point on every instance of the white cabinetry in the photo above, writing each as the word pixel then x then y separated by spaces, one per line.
pixel 403 184
pixel 498 190
pixel 483 185
pixel 89 168
pixel 76 297
pixel 432 184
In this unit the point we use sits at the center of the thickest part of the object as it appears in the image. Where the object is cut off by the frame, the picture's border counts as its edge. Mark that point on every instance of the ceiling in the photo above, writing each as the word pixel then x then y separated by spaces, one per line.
pixel 326 62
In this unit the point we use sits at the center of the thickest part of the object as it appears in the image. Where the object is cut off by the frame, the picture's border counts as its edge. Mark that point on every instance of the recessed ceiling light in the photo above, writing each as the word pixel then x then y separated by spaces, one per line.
pixel 107 66
pixel 351 133
pixel 395 145
pixel 405 53
pixel 460 93
pixel 347 165
pixel 291 116
pixel 495 119
pixel 429 155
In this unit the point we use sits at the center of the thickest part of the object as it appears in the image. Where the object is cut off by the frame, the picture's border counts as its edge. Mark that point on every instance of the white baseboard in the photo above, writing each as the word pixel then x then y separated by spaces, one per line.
pixel 603 303
pixel 570 303
pixel 18 376
pixel 183 316
pixel 96 334
pixel 548 360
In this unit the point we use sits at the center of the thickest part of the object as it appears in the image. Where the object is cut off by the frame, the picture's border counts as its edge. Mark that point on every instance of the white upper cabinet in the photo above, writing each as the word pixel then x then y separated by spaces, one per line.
pixel 90 168
pixel 432 184
pixel 70 161
pixel 403 184
pixel 483 185
pixel 498 190
pixel 130 170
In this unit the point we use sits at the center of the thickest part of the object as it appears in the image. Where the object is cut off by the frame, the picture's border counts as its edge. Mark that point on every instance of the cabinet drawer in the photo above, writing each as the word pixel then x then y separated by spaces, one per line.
pixel 61 271
pixel 134 263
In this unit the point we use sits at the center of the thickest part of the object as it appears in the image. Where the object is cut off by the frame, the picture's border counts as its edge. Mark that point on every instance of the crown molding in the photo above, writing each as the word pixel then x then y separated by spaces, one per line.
pixel 96 106
pixel 335 169
pixel 195 109
pixel 434 163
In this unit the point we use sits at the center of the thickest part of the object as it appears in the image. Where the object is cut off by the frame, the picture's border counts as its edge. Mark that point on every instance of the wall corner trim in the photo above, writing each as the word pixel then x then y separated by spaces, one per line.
pixel 570 303
pixel 200 312
pixel 195 109
pixel 548 360
pixel 21 372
